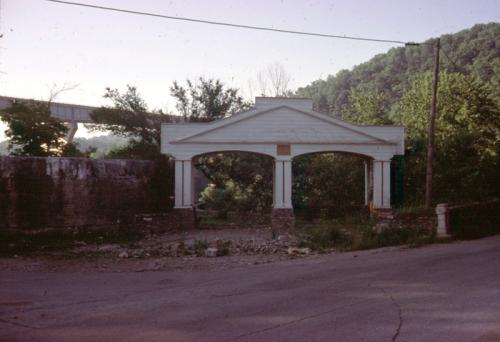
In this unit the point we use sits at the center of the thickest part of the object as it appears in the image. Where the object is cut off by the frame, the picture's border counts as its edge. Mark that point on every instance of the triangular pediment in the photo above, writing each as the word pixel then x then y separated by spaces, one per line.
pixel 281 124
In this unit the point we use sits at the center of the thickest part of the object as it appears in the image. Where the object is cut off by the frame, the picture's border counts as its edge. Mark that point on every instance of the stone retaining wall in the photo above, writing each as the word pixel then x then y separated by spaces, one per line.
pixel 469 221
pixel 249 218
pixel 39 193
pixel 282 219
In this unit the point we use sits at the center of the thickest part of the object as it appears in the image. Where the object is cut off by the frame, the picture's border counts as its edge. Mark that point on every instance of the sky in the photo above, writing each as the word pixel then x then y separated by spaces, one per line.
pixel 47 46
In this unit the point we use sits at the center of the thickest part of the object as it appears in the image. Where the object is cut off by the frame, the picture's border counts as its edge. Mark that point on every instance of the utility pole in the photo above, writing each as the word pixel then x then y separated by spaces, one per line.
pixel 432 120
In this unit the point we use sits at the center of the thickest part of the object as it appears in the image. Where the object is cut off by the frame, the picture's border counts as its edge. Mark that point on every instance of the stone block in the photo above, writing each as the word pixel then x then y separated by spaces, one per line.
pixel 211 252
pixel 186 218
pixel 282 219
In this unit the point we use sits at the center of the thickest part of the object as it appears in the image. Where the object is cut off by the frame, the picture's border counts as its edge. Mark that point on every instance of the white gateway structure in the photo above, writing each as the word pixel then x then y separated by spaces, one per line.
pixel 283 128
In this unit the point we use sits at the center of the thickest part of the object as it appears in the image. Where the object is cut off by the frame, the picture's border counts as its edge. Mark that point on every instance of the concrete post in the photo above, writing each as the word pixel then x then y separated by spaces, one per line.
pixel 443 219
pixel 72 128
pixel 367 183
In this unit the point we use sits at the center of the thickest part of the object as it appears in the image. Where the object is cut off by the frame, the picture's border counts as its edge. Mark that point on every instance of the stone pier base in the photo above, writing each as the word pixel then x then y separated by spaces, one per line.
pixel 385 214
pixel 282 219
pixel 185 218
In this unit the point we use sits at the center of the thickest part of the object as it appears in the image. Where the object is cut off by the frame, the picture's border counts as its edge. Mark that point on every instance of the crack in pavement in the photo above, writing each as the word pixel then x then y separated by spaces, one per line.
pixel 299 320
pixel 400 311
pixel 2 320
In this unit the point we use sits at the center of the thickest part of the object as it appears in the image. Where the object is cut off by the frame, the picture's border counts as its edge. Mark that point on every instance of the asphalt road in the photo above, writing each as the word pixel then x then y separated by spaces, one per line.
pixel 448 292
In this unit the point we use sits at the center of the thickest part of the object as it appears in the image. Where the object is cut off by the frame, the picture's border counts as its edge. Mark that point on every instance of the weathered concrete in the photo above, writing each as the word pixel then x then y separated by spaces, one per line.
pixel 38 193
pixel 436 293
pixel 443 220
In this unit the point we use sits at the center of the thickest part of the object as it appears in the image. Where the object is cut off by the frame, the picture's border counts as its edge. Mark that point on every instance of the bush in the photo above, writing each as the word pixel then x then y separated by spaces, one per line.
pixel 21 243
pixel 199 247
pixel 357 235
pixel 476 220
pixel 326 237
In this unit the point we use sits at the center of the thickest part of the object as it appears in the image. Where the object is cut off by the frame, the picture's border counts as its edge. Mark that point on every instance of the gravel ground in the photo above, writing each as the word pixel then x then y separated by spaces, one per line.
pixel 179 251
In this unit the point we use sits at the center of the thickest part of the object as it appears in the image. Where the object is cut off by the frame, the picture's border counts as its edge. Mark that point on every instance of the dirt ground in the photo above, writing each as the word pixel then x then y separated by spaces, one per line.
pixel 180 251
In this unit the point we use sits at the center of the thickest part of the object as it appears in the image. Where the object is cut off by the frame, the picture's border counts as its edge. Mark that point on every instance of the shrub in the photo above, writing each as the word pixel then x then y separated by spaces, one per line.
pixel 199 247
pixel 353 234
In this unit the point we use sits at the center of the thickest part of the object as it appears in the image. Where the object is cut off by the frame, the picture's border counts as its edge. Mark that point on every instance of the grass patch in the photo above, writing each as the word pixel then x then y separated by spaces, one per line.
pixel 214 221
pixel 355 234
pixel 23 243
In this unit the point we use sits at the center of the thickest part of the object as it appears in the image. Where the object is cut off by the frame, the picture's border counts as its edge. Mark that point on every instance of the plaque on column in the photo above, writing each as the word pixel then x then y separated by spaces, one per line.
pixel 283 149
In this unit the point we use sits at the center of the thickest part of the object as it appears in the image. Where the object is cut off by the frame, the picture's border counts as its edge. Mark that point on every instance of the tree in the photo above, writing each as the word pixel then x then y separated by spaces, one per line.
pixel 475 52
pixel 367 107
pixel 33 132
pixel 274 81
pixel 207 99
pixel 467 138
pixel 128 117
pixel 239 181
pixel 321 181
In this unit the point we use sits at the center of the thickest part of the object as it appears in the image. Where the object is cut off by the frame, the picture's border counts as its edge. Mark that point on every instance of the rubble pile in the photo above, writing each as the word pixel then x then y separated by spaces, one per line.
pixel 215 247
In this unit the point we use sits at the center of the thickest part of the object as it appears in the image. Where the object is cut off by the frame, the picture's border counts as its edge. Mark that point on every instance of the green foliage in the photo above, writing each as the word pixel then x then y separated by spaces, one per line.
pixel 475 50
pixel 467 140
pixel 351 234
pixel 390 88
pixel 223 247
pixel 367 107
pixel 207 99
pixel 327 180
pixel 22 243
pixel 199 247
pixel 129 118
pixel 239 181
pixel 237 195
pixel 476 220
pixel 100 146
pixel 33 132
pixel 326 236
pixel 220 199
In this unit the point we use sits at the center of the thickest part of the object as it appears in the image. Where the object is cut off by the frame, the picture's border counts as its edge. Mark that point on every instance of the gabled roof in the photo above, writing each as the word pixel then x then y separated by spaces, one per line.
pixel 307 122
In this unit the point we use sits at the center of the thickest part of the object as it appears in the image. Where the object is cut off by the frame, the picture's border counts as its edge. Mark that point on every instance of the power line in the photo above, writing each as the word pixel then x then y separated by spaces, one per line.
pixel 458 67
pixel 250 27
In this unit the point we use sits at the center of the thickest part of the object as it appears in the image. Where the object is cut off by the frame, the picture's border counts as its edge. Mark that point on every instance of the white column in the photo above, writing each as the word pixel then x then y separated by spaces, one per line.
pixel 188 182
pixel 179 176
pixel 287 184
pixel 382 184
pixel 367 200
pixel 278 184
pixel 282 189
pixel 183 184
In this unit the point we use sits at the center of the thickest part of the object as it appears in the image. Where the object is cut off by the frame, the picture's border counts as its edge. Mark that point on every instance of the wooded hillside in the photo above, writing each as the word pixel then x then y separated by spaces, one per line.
pixel 476 52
